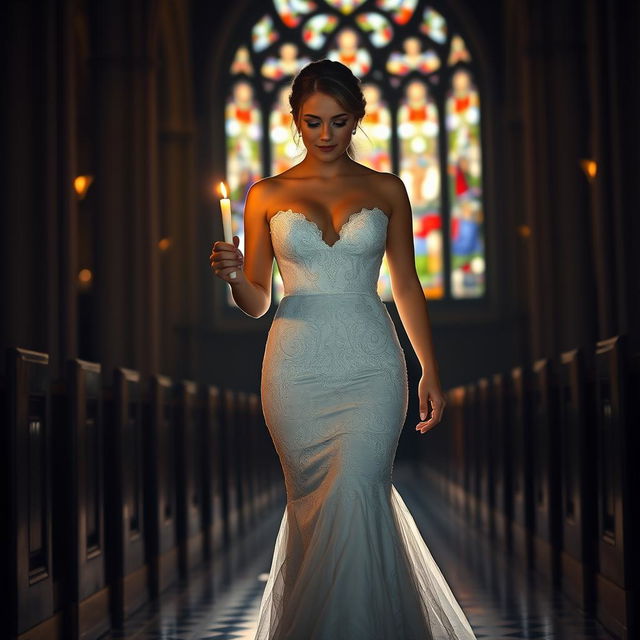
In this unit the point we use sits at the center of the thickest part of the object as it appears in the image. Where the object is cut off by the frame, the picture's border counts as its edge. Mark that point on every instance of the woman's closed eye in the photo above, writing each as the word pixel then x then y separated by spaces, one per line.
pixel 313 125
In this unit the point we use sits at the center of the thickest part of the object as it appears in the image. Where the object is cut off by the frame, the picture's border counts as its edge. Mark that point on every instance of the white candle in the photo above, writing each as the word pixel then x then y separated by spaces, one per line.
pixel 225 208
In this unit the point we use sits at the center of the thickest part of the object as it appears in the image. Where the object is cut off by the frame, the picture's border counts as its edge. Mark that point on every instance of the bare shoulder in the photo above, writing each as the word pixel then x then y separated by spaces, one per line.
pixel 269 191
pixel 389 188
pixel 260 195
pixel 260 188
pixel 390 183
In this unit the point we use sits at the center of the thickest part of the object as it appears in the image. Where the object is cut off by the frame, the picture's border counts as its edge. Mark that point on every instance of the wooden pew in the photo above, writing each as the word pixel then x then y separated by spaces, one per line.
pixel 578 480
pixel 160 485
pixel 455 413
pixel 230 495
pixel 241 449
pixel 545 468
pixel 502 463
pixel 522 498
pixel 617 557
pixel 189 476
pixel 27 556
pixel 472 466
pixel 78 528
pixel 485 443
pixel 125 446
pixel 213 512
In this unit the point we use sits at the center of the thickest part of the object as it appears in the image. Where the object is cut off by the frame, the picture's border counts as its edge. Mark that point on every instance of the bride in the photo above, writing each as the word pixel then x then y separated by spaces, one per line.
pixel 349 561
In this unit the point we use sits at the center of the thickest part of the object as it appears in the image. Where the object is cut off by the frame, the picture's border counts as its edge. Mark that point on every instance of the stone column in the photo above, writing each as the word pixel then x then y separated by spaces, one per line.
pixel 38 257
pixel 125 331
pixel 554 98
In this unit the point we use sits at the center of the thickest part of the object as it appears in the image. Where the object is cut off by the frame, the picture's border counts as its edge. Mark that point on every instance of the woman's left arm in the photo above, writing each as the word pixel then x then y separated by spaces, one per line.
pixel 411 302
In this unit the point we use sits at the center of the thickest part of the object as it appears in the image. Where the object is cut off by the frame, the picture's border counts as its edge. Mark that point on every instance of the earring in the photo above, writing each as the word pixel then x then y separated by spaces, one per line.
pixel 353 132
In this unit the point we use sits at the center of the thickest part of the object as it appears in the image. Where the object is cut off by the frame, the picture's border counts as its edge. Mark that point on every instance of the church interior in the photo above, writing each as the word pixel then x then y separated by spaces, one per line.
pixel 140 488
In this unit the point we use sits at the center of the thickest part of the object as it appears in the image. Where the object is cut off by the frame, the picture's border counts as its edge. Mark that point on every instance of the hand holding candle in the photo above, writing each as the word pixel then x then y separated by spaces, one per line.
pixel 225 256
pixel 225 208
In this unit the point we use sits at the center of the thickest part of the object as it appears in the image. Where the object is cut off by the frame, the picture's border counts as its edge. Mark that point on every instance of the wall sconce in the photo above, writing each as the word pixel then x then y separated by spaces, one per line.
pixel 85 278
pixel 524 230
pixel 164 244
pixel 590 168
pixel 81 185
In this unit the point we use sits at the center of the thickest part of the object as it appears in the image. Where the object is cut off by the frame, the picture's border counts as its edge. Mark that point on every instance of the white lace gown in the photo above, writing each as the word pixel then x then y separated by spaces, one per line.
pixel 349 562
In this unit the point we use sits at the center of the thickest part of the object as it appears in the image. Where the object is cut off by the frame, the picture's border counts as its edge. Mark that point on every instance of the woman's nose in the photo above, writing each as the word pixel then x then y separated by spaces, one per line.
pixel 325 133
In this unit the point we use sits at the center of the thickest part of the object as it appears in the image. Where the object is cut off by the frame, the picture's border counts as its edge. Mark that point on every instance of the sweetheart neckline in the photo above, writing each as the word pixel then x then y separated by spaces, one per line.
pixel 342 228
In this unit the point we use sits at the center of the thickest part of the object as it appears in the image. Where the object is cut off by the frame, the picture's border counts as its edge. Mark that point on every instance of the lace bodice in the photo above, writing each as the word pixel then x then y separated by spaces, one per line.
pixel 308 264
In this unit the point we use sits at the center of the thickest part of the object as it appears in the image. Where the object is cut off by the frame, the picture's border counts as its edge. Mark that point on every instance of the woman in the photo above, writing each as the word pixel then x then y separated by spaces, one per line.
pixel 349 561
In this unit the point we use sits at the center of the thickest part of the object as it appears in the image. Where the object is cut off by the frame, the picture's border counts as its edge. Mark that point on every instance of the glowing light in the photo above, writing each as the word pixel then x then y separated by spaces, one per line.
pixel 81 185
pixel 590 168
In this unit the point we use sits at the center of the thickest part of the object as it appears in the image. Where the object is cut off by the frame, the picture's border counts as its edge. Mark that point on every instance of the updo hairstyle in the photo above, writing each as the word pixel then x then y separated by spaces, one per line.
pixel 333 79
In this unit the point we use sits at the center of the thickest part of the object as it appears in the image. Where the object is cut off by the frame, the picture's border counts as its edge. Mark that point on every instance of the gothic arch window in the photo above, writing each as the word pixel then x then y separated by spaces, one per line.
pixel 422 121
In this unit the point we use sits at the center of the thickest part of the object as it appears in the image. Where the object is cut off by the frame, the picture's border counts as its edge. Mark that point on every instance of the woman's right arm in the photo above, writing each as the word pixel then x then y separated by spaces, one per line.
pixel 251 289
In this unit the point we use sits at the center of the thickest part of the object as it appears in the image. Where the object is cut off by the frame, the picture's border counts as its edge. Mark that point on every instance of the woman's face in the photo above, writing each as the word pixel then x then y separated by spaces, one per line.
pixel 325 127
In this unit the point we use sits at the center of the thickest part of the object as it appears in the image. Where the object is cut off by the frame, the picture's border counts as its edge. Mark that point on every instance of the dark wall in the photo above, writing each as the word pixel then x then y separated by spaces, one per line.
pixel 557 88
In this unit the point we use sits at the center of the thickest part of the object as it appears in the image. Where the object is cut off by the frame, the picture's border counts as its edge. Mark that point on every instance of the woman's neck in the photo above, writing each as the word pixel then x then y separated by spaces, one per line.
pixel 334 169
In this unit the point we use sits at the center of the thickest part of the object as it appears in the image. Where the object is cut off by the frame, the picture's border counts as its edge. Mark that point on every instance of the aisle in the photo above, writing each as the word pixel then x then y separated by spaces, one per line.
pixel 222 604
pixel 497 599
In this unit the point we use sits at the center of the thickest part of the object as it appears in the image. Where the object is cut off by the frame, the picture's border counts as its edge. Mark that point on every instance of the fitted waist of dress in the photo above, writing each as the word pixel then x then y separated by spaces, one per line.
pixel 331 293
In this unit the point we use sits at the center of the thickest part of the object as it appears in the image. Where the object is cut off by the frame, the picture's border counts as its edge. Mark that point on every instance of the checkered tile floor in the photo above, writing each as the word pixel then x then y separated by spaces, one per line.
pixel 222 602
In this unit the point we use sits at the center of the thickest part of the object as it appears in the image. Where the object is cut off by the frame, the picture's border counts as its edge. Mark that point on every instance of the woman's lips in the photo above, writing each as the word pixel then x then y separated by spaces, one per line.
pixel 328 148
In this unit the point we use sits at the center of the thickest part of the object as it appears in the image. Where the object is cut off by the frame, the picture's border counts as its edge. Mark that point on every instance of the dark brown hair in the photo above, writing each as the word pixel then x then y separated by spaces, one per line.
pixel 333 79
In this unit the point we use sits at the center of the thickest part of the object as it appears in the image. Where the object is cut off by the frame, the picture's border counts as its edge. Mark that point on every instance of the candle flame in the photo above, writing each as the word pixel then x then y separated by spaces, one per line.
pixel 223 190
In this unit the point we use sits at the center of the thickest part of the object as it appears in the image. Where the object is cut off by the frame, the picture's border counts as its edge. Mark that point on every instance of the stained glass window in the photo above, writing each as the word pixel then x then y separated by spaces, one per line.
pixel 418 131
pixel 465 171
pixel 244 141
pixel 422 120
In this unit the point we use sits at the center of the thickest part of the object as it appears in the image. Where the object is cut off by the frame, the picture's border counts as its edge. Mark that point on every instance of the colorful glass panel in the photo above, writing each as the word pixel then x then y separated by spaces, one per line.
pixel 263 34
pixel 350 53
pixel 243 124
pixel 418 133
pixel 459 51
pixel 284 154
pixel 377 26
pixel 413 58
pixel 427 48
pixel 374 150
pixel 316 30
pixel 284 151
pixel 242 62
pixel 291 11
pixel 434 25
pixel 401 10
pixel 465 187
pixel 287 64
pixel 345 6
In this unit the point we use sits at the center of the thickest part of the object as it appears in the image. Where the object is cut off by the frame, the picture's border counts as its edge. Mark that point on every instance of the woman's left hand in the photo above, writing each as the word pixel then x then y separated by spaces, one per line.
pixel 430 392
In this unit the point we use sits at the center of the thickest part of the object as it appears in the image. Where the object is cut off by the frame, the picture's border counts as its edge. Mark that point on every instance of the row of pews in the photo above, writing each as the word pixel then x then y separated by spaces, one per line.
pixel 114 487
pixel 543 460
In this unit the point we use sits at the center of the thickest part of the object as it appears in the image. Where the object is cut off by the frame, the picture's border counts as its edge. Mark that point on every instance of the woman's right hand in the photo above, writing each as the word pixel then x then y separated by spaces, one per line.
pixel 226 258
